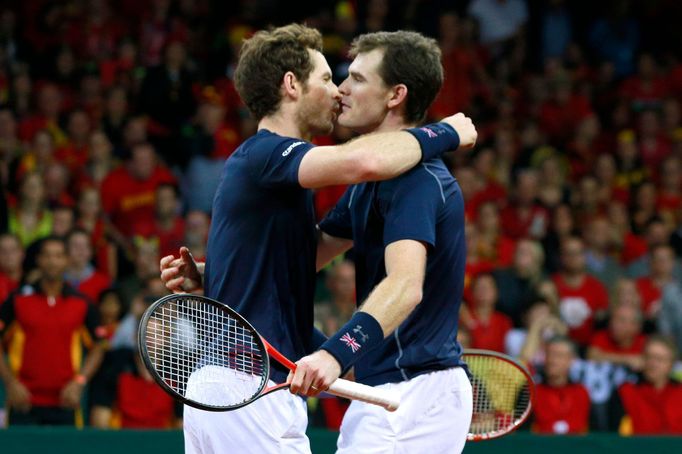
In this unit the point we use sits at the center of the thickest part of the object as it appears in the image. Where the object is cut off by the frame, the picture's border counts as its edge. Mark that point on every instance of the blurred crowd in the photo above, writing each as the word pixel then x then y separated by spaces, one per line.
pixel 116 118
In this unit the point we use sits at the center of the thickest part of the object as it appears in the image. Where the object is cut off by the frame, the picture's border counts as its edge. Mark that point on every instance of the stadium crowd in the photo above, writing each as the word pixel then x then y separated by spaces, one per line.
pixel 116 119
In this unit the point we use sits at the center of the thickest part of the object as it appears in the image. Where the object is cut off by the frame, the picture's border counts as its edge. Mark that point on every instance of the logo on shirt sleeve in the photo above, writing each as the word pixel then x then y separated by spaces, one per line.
pixel 291 147
pixel 350 342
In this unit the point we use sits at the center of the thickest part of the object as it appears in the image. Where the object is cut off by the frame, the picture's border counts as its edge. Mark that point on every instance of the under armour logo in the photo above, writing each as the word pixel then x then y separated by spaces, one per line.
pixel 429 133
pixel 358 330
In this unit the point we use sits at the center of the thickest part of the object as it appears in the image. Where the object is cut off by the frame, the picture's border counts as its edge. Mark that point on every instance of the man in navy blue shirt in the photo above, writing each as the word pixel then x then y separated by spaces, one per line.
pixel 263 241
pixel 409 249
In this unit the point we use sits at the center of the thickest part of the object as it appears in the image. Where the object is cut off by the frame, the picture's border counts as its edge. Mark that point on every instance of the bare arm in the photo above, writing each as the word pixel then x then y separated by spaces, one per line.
pixel 73 390
pixel 394 299
pixel 390 303
pixel 633 361
pixel 372 157
pixel 329 247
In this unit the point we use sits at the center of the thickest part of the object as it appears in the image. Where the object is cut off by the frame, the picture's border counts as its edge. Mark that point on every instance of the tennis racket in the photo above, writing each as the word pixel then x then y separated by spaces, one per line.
pixel 206 355
pixel 503 394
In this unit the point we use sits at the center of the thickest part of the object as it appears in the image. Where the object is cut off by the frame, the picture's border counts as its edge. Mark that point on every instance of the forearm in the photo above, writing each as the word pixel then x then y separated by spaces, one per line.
pixel 393 300
pixel 530 346
pixel 92 361
pixel 387 154
pixel 6 374
pixel 328 248
pixel 596 354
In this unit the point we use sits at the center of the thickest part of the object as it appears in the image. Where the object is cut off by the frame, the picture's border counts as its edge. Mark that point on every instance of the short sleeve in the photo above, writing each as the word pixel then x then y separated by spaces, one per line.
pixel 338 221
pixel 410 206
pixel 274 160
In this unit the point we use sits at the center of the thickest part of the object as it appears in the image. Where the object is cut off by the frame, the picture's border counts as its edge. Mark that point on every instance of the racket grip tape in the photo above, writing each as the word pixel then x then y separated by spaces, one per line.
pixel 364 393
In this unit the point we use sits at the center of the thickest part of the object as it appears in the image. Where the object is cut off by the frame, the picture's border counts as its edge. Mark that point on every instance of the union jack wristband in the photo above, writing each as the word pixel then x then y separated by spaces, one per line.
pixel 435 139
pixel 361 334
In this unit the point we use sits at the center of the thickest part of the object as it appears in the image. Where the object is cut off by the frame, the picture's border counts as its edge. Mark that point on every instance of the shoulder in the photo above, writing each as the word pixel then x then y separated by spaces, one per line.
pixel 431 176
pixel 266 142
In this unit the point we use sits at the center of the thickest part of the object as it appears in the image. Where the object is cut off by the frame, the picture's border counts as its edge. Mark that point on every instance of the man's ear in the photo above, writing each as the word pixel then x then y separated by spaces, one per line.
pixel 398 96
pixel 290 85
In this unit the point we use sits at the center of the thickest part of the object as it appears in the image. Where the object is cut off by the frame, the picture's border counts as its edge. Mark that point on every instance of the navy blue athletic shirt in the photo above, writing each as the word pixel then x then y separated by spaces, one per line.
pixel 262 243
pixel 424 204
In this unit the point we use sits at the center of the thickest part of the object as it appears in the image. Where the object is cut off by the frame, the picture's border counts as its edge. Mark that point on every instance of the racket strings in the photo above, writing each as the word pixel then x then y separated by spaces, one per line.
pixel 501 395
pixel 204 354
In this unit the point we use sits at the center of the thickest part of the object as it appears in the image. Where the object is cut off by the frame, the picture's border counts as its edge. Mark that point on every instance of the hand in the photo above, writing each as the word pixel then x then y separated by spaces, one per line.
pixel 314 374
pixel 635 362
pixel 18 396
pixel 465 128
pixel 181 274
pixel 71 394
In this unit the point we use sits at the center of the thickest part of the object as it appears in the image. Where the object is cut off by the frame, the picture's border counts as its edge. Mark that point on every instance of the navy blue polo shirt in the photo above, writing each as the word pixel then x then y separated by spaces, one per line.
pixel 424 204
pixel 262 243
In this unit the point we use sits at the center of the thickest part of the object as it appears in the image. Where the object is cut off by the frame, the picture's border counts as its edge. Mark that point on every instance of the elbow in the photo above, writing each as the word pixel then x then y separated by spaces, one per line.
pixel 366 167
pixel 413 294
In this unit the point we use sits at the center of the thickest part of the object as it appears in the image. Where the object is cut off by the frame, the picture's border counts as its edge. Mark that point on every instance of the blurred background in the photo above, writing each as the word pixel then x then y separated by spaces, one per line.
pixel 116 118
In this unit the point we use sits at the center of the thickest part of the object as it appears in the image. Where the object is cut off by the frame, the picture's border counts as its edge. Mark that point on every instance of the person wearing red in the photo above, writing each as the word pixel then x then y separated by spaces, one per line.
pixel 492 244
pixel 561 407
pixel 12 253
pixel 650 287
pixel 167 227
pixel 653 406
pixel 669 200
pixel 130 384
pixel 74 153
pixel 488 327
pixel 623 341
pixel 128 192
pixel 80 272
pixel 46 324
pixel 582 298
pixel 524 217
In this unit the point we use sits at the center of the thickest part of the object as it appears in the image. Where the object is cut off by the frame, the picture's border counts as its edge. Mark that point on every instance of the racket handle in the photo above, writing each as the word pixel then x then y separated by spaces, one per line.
pixel 356 391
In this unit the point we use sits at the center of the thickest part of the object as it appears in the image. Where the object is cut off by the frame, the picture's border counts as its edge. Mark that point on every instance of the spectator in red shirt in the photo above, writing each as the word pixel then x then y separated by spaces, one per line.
pixel 651 287
pixel 561 407
pixel 488 327
pixel 91 220
pixel 524 217
pixel 623 341
pixel 657 234
pixel 49 322
pixel 12 253
pixel 100 162
pixel 647 88
pixel 654 146
pixel 167 227
pixel 80 272
pixel 57 181
pixel 492 245
pixel 74 153
pixel 582 298
pixel 129 384
pixel 654 405
pixel 128 192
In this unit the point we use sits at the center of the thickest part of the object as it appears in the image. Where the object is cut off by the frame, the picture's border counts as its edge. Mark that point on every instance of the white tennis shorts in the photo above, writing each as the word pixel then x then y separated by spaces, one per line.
pixel 433 417
pixel 275 423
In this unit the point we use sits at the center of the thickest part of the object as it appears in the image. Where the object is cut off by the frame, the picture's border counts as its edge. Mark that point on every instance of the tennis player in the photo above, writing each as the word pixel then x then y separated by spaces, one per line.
pixel 409 248
pixel 262 243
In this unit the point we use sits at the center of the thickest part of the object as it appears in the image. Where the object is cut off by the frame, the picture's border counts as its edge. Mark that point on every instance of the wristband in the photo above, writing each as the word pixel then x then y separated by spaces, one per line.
pixel 80 379
pixel 361 334
pixel 435 139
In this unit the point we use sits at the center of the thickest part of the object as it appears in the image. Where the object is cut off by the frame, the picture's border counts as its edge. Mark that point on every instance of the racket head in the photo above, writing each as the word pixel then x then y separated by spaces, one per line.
pixel 503 394
pixel 203 353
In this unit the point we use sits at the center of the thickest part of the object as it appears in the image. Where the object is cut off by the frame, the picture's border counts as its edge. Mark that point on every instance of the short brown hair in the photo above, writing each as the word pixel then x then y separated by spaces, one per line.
pixel 411 59
pixel 266 57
